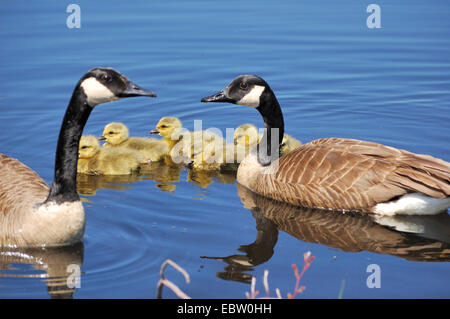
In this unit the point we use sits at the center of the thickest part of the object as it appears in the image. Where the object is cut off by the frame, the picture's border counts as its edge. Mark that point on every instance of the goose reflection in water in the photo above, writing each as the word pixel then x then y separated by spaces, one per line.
pixel 57 266
pixel 165 175
pixel 415 238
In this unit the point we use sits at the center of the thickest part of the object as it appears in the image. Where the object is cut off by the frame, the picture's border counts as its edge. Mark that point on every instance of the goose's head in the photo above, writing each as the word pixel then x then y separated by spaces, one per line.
pixel 114 133
pixel 248 90
pixel 102 84
pixel 88 147
pixel 246 135
pixel 167 126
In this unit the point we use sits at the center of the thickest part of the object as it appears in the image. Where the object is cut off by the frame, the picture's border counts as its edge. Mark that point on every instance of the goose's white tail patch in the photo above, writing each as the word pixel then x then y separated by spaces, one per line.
pixel 413 204
pixel 96 92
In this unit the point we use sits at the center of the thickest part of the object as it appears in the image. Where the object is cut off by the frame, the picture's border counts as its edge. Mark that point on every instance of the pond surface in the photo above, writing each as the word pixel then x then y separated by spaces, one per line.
pixel 333 76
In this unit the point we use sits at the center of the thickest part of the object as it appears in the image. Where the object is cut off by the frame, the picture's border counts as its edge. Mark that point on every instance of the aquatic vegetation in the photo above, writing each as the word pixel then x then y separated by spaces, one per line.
pixel 307 258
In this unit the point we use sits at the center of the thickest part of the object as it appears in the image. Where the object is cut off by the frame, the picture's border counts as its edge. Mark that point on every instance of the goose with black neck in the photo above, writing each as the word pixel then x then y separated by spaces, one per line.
pixel 336 173
pixel 33 214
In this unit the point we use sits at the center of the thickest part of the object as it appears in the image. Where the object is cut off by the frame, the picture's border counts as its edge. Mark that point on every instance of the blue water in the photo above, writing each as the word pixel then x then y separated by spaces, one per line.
pixel 332 75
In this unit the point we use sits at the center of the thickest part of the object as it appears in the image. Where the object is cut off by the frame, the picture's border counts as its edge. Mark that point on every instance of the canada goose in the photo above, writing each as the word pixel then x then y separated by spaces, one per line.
pixel 106 161
pixel 335 173
pixel 33 214
pixel 116 134
pixel 247 135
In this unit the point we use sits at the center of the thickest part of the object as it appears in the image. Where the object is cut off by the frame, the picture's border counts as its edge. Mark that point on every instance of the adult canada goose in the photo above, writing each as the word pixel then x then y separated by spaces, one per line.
pixel 335 173
pixel 247 135
pixel 94 160
pixel 33 214
pixel 116 134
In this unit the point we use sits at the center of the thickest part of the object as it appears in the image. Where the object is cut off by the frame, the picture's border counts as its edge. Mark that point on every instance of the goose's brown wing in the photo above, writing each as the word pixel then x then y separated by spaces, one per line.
pixel 353 175
pixel 20 187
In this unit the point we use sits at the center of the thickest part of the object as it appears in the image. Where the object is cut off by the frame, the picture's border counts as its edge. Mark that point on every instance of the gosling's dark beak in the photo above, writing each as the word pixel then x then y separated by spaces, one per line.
pixel 154 131
pixel 102 138
pixel 218 97
pixel 134 90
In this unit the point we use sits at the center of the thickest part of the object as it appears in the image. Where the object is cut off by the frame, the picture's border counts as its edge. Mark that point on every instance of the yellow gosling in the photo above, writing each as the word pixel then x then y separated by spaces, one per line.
pixel 247 135
pixel 94 160
pixel 116 134
pixel 184 145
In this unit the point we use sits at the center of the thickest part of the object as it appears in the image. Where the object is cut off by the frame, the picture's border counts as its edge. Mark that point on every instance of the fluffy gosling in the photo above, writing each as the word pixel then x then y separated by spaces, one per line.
pixel 116 134
pixel 247 135
pixel 94 160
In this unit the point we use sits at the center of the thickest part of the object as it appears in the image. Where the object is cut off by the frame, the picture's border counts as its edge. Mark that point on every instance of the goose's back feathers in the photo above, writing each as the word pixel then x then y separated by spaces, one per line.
pixel 27 190
pixel 24 221
pixel 349 174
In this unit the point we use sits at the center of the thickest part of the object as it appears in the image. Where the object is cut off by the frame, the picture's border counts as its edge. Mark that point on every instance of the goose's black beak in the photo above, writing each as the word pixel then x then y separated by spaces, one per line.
pixel 154 131
pixel 218 97
pixel 134 90
pixel 102 138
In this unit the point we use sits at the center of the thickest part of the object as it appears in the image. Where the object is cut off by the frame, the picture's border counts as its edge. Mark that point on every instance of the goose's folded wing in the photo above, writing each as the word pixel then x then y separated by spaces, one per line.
pixel 352 174
pixel 19 182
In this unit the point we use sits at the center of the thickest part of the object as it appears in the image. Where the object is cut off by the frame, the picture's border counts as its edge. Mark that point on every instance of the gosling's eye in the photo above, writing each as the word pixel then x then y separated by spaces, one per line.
pixel 111 133
pixel 163 126
pixel 243 85
pixel 84 147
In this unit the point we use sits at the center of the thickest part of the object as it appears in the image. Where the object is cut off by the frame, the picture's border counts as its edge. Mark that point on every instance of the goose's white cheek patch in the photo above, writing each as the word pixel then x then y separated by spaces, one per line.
pixel 96 92
pixel 252 97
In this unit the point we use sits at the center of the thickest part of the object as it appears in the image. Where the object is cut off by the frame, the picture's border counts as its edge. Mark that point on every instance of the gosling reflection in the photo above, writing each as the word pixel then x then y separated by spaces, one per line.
pixel 56 263
pixel 415 238
pixel 165 175
pixel 204 178
pixel 88 185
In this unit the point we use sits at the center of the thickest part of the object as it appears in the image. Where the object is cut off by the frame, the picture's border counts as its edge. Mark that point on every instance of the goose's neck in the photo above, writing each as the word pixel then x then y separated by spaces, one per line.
pixel 269 146
pixel 63 188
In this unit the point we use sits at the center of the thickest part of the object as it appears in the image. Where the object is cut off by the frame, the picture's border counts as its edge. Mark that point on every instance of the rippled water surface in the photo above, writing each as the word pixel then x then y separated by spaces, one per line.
pixel 332 75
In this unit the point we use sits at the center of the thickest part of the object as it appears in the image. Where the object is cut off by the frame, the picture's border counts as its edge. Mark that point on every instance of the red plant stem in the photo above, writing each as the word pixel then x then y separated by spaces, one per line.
pixel 299 276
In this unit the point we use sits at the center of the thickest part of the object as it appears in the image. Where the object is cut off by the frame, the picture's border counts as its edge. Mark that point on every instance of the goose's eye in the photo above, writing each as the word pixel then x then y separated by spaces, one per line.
pixel 163 126
pixel 110 132
pixel 243 85
pixel 84 147
pixel 106 78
